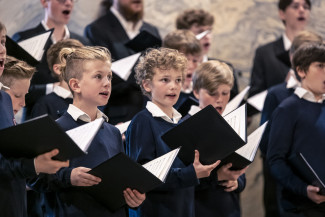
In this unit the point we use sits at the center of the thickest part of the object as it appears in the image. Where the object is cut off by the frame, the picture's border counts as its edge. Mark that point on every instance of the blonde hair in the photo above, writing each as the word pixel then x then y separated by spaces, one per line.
pixel 72 60
pixel 184 41
pixel 304 37
pixel 162 59
pixel 211 74
pixel 2 27
pixel 15 69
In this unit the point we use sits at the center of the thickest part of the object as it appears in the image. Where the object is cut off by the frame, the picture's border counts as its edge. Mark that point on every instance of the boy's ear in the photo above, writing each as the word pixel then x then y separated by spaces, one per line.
pixel 196 94
pixel 282 15
pixel 56 69
pixel 74 85
pixel 146 85
pixel 301 73
pixel 44 3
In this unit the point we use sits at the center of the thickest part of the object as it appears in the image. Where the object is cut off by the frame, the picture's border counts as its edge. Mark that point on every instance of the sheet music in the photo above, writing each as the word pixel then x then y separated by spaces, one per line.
pixel 124 66
pixel 84 134
pixel 35 45
pixel 202 34
pixel 123 126
pixel 258 100
pixel 237 120
pixel 249 150
pixel 161 165
pixel 235 102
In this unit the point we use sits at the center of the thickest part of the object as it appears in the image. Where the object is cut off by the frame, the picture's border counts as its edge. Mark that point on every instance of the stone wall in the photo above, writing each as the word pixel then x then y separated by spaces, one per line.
pixel 240 26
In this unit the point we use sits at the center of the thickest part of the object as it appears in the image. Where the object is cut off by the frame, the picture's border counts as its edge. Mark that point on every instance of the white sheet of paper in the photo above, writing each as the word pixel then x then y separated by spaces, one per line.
pixel 124 66
pixel 123 126
pixel 84 135
pixel 237 120
pixel 235 102
pixel 258 100
pixel 202 34
pixel 253 140
pixel 161 165
pixel 35 45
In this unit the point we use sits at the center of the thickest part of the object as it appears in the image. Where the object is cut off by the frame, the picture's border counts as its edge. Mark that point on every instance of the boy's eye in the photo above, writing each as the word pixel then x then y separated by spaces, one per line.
pixel 164 79
pixel 99 76
pixel 225 93
pixel 3 42
pixel 179 80
pixel 109 77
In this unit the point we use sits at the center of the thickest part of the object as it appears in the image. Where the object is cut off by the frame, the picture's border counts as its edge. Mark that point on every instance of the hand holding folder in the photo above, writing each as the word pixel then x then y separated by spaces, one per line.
pixel 43 134
pixel 120 172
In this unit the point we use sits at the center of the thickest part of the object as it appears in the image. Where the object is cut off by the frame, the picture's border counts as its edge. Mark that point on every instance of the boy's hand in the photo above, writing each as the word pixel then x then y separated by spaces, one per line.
pixel 203 170
pixel 230 185
pixel 44 164
pixel 225 174
pixel 133 198
pixel 312 193
pixel 80 177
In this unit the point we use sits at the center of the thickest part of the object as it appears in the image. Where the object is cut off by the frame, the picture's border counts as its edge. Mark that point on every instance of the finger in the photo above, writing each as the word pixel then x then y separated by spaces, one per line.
pixel 53 152
pixel 137 201
pixel 227 166
pixel 140 196
pixel 90 177
pixel 128 199
pixel 196 156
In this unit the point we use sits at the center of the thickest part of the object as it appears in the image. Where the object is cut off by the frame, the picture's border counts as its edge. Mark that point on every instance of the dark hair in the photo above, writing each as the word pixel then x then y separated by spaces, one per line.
pixel 184 41
pixel 194 16
pixel 306 54
pixel 283 4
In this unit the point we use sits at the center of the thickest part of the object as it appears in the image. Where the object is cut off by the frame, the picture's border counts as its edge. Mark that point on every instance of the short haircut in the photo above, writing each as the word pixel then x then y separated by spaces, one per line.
pixel 184 41
pixel 306 54
pixel 15 69
pixel 194 16
pixel 53 52
pixel 303 37
pixel 2 27
pixel 211 74
pixel 283 4
pixel 158 59
pixel 72 60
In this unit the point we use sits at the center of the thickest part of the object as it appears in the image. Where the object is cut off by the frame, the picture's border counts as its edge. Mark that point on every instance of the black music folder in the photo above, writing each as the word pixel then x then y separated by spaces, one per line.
pixel 143 41
pixel 121 172
pixel 208 132
pixel 301 166
pixel 185 107
pixel 43 134
pixel 13 49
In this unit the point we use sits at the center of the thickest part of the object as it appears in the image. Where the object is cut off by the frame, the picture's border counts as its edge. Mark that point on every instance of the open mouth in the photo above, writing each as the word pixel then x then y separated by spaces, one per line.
pixel 105 93
pixel 219 109
pixel 189 75
pixel 301 19
pixel 2 63
pixel 206 45
pixel 171 95
pixel 66 12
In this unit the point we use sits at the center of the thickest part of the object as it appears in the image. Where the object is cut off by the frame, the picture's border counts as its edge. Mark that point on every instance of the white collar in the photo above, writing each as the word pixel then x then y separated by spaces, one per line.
pixel 286 42
pixel 307 95
pixel 189 89
pixel 130 29
pixel 157 112
pixel 292 81
pixel 77 113
pixel 3 86
pixel 205 58
pixel 66 32
pixel 62 92
pixel 194 109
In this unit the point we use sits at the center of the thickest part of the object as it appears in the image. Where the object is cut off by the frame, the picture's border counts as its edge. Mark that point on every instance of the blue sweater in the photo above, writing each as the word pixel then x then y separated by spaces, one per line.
pixel 13 172
pixel 71 201
pixel 296 126
pixel 174 198
pixel 274 97
pixel 51 104
pixel 212 200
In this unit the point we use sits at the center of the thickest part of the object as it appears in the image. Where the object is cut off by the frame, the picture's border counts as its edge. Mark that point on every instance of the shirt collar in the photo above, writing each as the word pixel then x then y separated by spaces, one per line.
pixel 189 89
pixel 66 32
pixel 194 109
pixel 77 113
pixel 3 87
pixel 62 92
pixel 292 81
pixel 286 42
pixel 205 58
pixel 157 112
pixel 307 95
pixel 128 26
